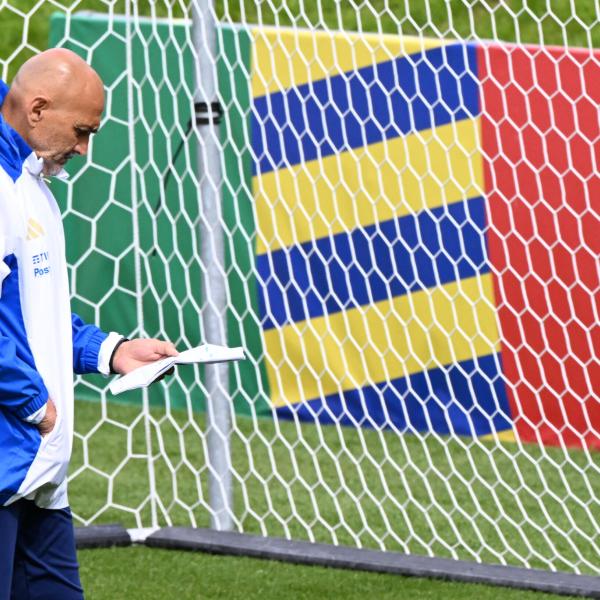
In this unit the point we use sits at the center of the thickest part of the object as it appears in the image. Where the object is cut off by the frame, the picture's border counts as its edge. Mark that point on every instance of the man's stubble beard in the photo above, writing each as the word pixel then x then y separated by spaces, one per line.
pixel 51 168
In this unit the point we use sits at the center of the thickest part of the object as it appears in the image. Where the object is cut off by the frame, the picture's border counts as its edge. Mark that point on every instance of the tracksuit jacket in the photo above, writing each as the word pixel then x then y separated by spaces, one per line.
pixel 41 342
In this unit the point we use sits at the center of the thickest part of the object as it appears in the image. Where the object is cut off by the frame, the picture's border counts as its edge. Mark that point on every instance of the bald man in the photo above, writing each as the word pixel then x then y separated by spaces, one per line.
pixel 48 115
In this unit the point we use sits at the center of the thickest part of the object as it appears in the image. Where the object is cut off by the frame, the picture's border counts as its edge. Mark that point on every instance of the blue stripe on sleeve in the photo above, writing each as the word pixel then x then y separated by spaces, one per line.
pixel 22 390
pixel 87 340
pixel 373 263
pixel 365 106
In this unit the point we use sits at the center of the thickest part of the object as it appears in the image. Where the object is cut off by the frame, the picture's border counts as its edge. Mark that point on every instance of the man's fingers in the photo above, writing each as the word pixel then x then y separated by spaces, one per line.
pixel 166 348
pixel 171 350
pixel 46 425
pixel 136 353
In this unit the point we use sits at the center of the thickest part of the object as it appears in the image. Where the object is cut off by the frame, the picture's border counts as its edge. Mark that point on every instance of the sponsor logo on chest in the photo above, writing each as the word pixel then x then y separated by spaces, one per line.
pixel 34 230
pixel 41 264
pixel 40 261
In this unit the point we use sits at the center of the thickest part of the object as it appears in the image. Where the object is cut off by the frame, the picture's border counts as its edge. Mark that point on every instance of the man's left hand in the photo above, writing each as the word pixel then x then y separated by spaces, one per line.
pixel 136 353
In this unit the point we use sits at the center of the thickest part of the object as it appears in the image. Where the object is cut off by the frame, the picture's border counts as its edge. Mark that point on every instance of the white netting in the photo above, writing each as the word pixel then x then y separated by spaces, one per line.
pixel 410 258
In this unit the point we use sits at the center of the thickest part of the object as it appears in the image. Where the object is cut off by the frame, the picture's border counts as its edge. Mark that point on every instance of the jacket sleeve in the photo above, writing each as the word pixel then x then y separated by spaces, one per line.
pixel 87 340
pixel 22 391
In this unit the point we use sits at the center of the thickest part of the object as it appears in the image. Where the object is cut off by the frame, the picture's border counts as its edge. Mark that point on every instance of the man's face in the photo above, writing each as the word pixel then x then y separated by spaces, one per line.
pixel 65 130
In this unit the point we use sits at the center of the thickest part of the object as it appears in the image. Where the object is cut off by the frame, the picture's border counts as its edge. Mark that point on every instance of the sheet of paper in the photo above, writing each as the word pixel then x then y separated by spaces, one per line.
pixel 144 376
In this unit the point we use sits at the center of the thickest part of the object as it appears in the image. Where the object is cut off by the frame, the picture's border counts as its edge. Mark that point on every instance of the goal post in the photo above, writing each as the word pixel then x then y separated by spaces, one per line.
pixel 394 211
pixel 208 112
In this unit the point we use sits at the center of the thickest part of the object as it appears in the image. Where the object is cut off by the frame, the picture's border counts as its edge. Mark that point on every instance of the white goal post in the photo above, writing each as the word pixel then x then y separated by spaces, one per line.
pixel 394 210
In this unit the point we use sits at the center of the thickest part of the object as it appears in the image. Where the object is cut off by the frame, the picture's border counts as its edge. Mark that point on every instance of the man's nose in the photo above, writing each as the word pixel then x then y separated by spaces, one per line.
pixel 81 147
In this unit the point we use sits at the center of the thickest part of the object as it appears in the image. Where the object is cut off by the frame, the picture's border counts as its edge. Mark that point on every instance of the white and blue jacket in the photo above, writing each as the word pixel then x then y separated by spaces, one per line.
pixel 41 342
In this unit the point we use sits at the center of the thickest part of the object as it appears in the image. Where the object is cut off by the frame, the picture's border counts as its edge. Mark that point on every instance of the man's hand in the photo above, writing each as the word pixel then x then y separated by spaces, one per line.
pixel 46 425
pixel 136 353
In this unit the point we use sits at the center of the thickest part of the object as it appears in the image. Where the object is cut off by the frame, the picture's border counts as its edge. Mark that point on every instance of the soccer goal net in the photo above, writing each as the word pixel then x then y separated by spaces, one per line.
pixel 394 208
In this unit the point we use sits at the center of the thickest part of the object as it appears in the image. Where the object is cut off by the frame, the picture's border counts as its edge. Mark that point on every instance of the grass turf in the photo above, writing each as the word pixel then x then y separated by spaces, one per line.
pixel 149 573
pixel 449 497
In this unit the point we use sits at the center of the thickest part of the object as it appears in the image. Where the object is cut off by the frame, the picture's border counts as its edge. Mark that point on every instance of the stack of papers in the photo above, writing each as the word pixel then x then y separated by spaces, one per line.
pixel 144 376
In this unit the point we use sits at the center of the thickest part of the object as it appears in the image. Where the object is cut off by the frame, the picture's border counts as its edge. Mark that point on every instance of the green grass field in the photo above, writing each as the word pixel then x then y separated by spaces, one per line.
pixel 451 497
pixel 140 573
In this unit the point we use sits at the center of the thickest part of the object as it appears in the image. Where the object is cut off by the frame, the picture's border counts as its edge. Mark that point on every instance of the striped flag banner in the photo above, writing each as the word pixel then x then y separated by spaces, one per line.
pixel 424 256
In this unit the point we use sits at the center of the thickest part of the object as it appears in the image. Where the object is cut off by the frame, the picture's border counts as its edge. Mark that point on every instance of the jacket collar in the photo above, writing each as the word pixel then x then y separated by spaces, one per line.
pixel 13 148
pixel 15 153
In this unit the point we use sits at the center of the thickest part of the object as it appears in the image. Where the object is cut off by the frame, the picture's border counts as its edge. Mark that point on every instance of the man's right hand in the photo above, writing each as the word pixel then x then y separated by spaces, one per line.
pixel 46 425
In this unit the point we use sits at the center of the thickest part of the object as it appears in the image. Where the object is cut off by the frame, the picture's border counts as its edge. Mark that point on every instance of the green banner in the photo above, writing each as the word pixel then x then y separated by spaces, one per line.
pixel 132 233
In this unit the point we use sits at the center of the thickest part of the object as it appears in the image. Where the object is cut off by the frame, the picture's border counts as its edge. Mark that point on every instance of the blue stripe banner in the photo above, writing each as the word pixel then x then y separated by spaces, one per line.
pixel 365 106
pixel 467 398
pixel 374 263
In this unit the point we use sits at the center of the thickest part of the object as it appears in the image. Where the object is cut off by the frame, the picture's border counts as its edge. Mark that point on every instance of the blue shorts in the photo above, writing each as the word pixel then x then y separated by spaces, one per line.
pixel 37 554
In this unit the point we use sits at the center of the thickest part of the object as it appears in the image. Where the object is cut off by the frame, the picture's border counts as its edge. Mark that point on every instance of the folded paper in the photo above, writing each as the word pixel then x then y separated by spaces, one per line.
pixel 204 354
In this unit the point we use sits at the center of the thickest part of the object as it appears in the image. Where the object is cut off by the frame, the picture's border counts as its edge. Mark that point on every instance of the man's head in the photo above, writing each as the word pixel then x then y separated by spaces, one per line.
pixel 55 103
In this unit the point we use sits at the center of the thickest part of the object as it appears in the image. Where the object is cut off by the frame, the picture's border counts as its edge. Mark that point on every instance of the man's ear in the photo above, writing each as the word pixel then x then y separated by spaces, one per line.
pixel 36 110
